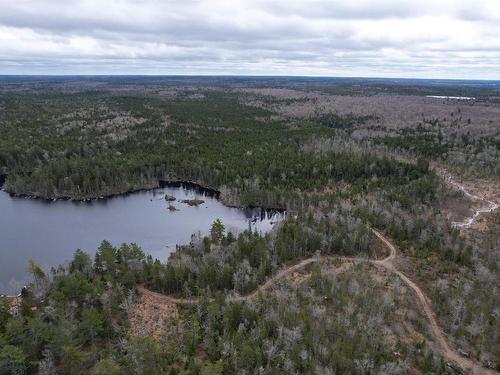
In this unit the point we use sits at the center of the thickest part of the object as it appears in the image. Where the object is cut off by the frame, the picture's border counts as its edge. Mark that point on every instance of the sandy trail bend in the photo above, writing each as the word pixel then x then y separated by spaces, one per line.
pixel 470 366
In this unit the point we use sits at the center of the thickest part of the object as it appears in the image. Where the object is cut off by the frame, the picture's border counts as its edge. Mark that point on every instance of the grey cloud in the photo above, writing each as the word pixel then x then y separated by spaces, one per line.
pixel 349 10
pixel 328 37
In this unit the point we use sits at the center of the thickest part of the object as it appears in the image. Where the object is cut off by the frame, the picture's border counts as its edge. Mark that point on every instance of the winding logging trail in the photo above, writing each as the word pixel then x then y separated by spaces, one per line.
pixel 387 263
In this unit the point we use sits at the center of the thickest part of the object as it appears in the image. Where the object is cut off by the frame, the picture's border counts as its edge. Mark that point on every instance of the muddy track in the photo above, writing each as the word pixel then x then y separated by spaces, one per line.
pixel 387 263
pixel 490 206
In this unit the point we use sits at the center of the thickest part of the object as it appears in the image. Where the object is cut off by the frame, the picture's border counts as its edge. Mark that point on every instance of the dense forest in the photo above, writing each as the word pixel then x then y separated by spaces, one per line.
pixel 340 157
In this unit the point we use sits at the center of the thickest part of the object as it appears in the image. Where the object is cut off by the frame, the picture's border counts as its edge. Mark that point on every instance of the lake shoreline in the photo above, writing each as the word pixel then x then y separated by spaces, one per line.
pixel 190 185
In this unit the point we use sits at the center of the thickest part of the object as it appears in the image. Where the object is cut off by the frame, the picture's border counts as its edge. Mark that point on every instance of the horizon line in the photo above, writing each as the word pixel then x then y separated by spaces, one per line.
pixel 63 75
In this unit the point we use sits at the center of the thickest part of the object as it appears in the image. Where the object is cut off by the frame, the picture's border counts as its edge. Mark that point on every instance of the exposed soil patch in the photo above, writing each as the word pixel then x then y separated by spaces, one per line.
pixel 297 278
pixel 151 315
pixel 457 209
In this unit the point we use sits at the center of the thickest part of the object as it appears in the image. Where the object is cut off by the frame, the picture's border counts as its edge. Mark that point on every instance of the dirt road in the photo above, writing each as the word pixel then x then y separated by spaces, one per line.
pixel 445 350
pixel 451 355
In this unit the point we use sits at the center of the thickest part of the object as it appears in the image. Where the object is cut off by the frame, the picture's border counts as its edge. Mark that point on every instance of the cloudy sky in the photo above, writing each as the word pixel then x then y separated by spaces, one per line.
pixel 376 38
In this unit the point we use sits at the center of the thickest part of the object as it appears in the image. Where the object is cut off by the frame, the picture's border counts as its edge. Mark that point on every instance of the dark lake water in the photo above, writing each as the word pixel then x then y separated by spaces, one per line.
pixel 50 232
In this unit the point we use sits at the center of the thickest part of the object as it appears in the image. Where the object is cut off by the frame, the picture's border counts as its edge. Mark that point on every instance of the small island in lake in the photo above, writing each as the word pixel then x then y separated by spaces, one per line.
pixel 193 202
